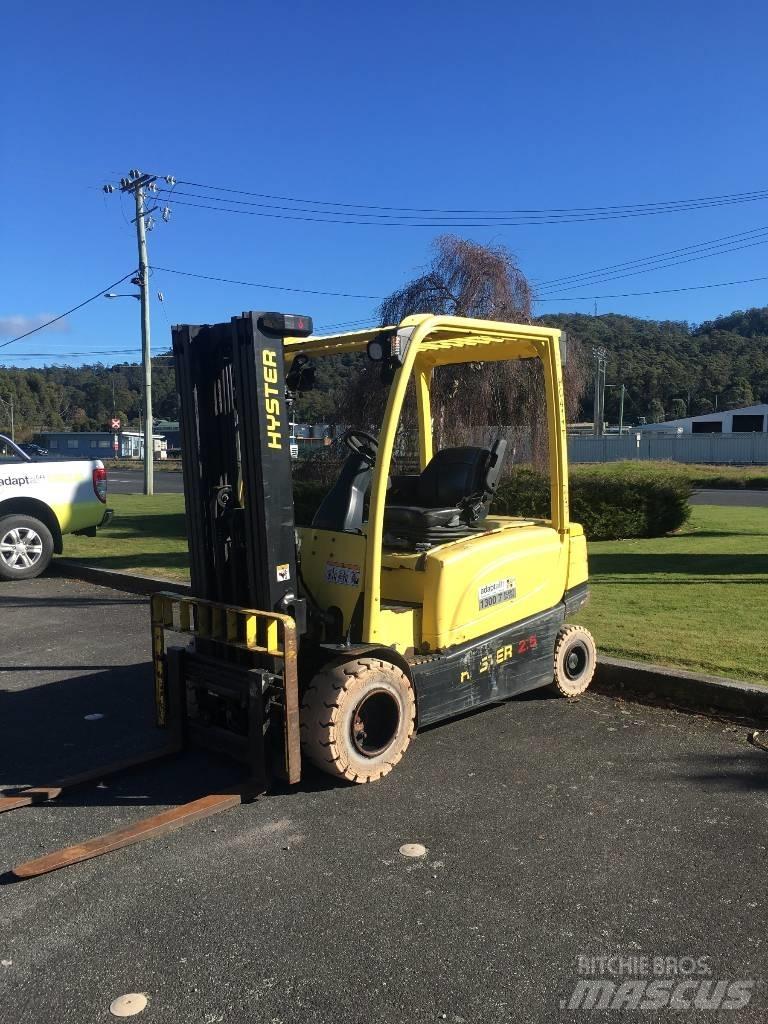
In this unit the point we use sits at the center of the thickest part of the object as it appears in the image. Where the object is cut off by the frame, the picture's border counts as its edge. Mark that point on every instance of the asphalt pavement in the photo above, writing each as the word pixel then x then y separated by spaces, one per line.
pixel 736 496
pixel 554 831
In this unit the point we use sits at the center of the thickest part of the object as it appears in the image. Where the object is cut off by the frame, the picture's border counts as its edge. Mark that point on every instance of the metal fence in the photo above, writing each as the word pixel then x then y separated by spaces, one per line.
pixel 719 449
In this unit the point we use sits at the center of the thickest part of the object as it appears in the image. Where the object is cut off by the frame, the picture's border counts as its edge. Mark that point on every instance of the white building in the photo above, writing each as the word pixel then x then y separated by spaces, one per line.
pixel 752 419
pixel 132 445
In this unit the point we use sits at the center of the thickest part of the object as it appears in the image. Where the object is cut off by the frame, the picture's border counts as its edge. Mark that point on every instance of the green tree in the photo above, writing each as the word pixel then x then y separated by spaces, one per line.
pixel 655 412
pixel 738 394
pixel 677 409
pixel 473 280
pixel 701 406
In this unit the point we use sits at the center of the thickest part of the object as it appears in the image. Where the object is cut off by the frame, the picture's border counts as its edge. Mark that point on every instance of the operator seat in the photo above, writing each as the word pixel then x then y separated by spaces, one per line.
pixel 447 499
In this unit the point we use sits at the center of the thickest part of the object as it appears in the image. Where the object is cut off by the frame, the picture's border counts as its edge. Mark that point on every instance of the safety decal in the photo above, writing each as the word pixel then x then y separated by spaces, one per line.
pixel 339 572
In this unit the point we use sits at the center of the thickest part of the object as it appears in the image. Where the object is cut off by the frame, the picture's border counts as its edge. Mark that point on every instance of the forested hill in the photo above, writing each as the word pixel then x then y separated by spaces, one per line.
pixel 669 369
pixel 672 368
pixel 83 397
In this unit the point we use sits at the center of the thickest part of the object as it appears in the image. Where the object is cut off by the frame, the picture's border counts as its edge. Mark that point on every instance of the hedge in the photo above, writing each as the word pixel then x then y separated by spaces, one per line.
pixel 612 502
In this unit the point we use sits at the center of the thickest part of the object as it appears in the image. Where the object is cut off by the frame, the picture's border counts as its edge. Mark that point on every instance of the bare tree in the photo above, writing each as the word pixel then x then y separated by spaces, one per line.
pixel 473 280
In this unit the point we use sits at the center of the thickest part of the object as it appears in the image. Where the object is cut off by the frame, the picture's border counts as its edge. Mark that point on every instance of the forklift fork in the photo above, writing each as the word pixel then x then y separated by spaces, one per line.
pixel 232 663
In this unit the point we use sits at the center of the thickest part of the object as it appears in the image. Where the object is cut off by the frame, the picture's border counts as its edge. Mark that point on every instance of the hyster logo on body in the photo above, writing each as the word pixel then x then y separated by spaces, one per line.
pixel 271 402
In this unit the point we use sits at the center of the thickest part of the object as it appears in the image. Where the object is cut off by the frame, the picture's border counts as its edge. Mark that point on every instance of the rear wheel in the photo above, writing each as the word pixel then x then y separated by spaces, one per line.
pixel 575 660
pixel 26 547
pixel 357 719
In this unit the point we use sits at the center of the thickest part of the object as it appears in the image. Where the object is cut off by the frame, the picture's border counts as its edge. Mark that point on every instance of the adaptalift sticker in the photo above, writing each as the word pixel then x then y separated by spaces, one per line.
pixel 496 593
pixel 339 572
pixel 283 572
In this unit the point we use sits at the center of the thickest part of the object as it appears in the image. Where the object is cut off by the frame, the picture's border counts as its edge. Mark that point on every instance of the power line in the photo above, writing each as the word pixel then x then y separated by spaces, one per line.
pixel 89 352
pixel 720 251
pixel 67 355
pixel 321 217
pixel 258 284
pixel 608 213
pixel 698 246
pixel 74 309
pixel 735 196
pixel 350 325
pixel 658 291
pixel 93 352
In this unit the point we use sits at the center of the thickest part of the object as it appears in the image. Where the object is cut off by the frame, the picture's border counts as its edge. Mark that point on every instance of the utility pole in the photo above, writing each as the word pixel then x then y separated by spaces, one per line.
pixel 146 350
pixel 139 184
pixel 621 409
pixel 621 402
pixel 599 402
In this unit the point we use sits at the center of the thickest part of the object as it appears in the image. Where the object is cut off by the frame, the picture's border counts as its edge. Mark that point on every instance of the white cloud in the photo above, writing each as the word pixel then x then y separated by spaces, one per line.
pixel 17 323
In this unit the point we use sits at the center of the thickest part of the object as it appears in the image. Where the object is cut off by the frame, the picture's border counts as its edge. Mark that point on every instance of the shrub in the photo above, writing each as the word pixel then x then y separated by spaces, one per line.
pixel 307 495
pixel 524 492
pixel 611 502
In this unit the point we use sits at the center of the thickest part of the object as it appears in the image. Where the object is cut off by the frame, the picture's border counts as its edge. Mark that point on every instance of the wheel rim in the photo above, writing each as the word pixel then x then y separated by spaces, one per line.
pixel 576 661
pixel 21 548
pixel 375 723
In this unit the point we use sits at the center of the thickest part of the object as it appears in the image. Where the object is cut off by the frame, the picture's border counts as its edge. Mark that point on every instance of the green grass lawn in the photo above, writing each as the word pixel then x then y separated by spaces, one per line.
pixel 147 536
pixel 698 599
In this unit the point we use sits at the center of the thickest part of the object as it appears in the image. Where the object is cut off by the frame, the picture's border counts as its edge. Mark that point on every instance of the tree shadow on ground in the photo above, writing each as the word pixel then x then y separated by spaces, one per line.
pixel 746 771
pixel 177 560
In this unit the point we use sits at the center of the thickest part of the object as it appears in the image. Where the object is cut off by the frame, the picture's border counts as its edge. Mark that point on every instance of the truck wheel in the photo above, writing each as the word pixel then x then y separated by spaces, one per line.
pixel 575 660
pixel 26 547
pixel 357 719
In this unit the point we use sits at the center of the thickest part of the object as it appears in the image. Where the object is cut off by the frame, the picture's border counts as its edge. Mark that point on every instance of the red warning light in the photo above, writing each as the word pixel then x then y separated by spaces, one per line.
pixel 286 324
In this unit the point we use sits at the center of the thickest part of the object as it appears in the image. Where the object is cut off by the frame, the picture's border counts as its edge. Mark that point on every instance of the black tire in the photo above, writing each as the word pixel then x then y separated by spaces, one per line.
pixel 574 661
pixel 26 547
pixel 357 719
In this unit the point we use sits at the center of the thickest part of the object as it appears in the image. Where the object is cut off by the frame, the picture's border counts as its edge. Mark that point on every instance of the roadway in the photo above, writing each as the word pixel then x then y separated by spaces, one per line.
pixel 736 496
pixel 554 831
pixel 131 481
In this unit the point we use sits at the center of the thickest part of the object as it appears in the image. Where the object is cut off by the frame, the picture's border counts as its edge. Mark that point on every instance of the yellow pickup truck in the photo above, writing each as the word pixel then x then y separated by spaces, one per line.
pixel 42 499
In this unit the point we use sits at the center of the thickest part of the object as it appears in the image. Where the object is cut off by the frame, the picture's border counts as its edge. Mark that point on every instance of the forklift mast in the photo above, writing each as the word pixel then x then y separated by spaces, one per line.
pixel 236 461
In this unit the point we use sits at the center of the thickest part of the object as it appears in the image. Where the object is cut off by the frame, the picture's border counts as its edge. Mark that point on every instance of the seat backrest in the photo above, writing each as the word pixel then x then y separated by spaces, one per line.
pixel 454 474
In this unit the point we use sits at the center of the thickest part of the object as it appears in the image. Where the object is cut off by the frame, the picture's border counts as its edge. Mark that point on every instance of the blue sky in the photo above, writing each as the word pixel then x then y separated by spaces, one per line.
pixel 449 105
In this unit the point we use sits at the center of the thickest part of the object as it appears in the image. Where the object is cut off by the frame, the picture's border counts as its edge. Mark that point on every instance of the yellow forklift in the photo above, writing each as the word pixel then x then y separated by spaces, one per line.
pixel 404 603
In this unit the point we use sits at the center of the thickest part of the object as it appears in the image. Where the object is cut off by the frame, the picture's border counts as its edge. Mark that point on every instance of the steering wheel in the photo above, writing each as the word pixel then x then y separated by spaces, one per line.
pixel 362 444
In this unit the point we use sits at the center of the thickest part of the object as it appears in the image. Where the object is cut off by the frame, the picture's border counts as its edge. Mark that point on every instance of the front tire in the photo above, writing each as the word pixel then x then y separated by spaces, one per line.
pixel 575 660
pixel 357 719
pixel 26 547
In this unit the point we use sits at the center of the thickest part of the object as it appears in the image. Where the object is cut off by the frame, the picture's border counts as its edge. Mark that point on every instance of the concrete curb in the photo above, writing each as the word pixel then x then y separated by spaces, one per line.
pixel 631 679
pixel 132 583
pixel 637 680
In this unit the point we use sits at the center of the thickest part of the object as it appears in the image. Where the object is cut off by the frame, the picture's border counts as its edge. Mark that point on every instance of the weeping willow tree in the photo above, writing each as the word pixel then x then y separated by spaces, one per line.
pixel 469 399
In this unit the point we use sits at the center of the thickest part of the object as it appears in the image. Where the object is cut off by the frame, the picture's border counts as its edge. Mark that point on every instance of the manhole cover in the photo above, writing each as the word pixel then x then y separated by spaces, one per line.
pixel 413 850
pixel 128 1005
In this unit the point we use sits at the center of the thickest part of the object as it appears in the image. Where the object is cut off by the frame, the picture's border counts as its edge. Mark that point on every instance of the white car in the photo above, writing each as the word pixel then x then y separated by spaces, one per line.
pixel 42 499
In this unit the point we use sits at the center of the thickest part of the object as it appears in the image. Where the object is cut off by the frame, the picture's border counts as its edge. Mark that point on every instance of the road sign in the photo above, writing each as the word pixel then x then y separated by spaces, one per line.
pixel 114 424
